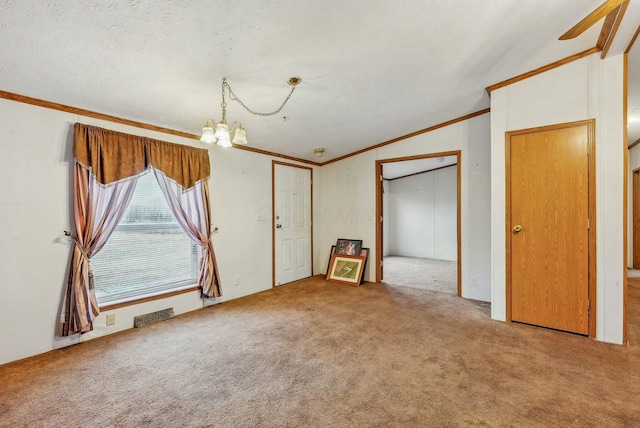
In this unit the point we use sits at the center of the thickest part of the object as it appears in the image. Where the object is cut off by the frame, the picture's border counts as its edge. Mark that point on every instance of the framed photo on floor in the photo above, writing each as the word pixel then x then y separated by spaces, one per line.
pixel 349 247
pixel 346 269
pixel 333 251
pixel 364 252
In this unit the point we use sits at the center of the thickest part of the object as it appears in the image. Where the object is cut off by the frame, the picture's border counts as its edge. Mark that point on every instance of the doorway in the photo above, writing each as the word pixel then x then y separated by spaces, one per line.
pixel 551 227
pixel 635 200
pixel 425 237
pixel 292 237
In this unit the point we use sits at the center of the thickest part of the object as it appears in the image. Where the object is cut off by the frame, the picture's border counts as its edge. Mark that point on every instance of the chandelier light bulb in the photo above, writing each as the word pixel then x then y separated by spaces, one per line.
pixel 224 142
pixel 240 137
pixel 222 131
pixel 208 136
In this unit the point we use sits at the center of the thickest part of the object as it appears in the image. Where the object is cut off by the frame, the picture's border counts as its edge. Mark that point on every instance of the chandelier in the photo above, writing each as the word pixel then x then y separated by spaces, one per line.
pixel 222 134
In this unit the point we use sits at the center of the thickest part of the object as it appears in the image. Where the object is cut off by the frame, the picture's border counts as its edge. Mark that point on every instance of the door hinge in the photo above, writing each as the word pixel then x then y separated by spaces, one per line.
pixel 588 224
pixel 381 219
pixel 381 177
pixel 380 263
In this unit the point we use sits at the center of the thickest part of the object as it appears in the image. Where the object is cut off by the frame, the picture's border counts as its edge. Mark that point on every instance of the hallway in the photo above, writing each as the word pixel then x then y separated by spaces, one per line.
pixel 633 308
pixel 425 274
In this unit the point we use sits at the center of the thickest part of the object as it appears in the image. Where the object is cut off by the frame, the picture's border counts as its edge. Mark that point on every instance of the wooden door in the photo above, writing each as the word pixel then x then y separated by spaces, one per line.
pixel 292 223
pixel 636 219
pixel 549 224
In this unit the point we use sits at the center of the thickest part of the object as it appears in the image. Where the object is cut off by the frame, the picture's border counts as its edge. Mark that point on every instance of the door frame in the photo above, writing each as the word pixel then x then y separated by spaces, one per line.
pixel 590 123
pixel 273 214
pixel 379 207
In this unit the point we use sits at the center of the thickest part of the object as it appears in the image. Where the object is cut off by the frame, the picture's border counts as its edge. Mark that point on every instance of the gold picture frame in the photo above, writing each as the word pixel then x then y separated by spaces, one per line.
pixel 346 269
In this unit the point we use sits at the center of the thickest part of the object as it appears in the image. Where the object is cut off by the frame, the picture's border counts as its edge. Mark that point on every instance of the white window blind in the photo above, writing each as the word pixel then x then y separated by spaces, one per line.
pixel 148 253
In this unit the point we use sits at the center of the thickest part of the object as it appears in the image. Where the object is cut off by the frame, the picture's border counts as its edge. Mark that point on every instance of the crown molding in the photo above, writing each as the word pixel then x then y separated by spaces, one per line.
pixel 542 69
pixel 413 134
pixel 142 125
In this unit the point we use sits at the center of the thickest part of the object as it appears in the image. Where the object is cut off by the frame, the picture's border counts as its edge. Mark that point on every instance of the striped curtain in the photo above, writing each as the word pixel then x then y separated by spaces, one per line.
pixel 191 209
pixel 98 210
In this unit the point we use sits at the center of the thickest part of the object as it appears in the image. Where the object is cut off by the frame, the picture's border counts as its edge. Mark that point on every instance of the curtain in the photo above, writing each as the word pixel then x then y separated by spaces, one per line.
pixel 113 156
pixel 106 170
pixel 191 209
pixel 98 210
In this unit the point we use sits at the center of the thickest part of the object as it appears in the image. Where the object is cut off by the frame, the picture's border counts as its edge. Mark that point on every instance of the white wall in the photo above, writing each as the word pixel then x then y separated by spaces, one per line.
pixel 348 197
pixel 35 182
pixel 423 215
pixel 584 89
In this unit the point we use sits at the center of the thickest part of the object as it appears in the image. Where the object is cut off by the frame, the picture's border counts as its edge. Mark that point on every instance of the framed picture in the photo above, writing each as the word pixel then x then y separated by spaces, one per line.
pixel 364 252
pixel 349 247
pixel 346 269
pixel 333 251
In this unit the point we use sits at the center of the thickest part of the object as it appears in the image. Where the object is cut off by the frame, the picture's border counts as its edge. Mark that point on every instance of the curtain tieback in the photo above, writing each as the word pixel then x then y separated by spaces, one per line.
pixel 209 240
pixel 78 245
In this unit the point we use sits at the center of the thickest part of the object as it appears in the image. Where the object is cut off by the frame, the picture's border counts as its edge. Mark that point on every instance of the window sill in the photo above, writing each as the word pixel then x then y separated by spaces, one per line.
pixel 146 298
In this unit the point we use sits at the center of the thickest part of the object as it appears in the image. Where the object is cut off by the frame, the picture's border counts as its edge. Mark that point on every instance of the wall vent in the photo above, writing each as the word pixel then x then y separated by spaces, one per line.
pixel 153 317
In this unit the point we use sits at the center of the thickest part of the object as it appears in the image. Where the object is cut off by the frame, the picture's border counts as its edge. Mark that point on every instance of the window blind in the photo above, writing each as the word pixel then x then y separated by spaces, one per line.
pixel 148 253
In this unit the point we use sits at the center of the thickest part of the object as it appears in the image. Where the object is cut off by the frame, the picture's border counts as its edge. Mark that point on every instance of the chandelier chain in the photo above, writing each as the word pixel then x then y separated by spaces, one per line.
pixel 234 97
pixel 224 103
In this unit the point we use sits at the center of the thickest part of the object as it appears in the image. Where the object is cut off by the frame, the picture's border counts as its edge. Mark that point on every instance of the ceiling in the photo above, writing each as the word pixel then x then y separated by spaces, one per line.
pixel 372 70
pixel 393 170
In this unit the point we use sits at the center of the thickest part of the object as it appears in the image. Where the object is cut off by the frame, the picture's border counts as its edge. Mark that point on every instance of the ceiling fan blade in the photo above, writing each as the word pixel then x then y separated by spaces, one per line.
pixel 603 10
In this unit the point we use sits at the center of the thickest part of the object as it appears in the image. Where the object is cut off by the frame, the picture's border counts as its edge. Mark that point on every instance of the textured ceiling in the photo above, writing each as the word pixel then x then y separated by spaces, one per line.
pixel 372 70
pixel 392 170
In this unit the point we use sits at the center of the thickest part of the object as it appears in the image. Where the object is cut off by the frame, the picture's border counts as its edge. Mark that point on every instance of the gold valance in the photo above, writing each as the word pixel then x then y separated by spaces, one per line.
pixel 113 156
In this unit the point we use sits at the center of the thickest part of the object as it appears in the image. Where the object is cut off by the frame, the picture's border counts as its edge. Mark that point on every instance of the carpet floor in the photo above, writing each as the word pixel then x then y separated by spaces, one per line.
pixel 426 274
pixel 321 354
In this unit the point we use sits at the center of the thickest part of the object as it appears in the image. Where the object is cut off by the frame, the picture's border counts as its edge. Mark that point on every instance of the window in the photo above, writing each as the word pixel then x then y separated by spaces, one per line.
pixel 148 253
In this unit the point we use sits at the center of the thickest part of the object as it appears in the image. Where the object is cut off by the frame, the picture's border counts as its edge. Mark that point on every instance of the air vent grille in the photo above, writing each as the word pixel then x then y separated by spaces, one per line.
pixel 153 317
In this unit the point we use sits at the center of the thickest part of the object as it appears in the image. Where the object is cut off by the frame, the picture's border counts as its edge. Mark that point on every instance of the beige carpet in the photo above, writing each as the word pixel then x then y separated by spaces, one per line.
pixel 426 274
pixel 322 354
pixel 633 273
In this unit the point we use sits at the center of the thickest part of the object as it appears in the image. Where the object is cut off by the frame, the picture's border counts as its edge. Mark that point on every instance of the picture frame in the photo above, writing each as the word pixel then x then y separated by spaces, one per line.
pixel 349 247
pixel 331 253
pixel 346 269
pixel 364 252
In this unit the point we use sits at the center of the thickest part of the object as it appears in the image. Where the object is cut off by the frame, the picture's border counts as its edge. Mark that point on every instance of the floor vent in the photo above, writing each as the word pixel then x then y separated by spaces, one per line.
pixel 153 317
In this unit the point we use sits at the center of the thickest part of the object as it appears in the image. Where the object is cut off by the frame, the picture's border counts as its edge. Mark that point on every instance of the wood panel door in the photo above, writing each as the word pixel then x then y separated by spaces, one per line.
pixel 548 237
pixel 292 223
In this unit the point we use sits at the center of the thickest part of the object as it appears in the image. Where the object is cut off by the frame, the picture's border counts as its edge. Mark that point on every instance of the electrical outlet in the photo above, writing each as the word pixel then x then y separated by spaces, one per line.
pixel 236 280
pixel 111 319
pixel 474 281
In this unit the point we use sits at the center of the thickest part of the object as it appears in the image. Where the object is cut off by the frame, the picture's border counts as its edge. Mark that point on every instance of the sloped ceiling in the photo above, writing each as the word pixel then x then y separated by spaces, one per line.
pixel 395 170
pixel 372 70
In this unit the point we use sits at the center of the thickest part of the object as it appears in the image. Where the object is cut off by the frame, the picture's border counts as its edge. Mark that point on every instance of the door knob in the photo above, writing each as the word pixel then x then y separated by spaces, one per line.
pixel 517 228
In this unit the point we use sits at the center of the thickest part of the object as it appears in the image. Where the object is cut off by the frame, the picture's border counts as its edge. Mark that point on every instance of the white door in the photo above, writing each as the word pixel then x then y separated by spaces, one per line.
pixel 292 223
